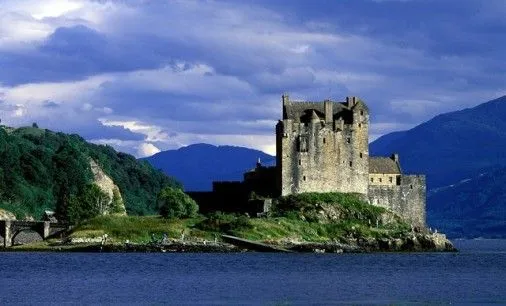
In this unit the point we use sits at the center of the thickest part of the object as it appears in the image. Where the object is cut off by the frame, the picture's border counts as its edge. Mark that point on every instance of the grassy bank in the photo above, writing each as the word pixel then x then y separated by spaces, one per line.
pixel 309 217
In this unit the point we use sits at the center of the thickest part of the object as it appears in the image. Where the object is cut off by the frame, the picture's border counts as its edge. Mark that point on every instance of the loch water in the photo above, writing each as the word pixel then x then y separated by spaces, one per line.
pixel 476 274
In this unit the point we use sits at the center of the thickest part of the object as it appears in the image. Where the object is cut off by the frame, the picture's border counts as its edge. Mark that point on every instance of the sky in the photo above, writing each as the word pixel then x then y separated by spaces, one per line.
pixel 144 76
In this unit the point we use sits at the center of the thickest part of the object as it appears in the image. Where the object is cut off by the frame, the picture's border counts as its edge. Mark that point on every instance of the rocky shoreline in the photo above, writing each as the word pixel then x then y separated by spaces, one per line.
pixel 414 243
pixel 417 242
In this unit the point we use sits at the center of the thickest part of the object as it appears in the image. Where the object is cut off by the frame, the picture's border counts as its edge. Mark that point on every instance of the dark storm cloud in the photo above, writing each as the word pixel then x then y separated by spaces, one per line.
pixel 219 67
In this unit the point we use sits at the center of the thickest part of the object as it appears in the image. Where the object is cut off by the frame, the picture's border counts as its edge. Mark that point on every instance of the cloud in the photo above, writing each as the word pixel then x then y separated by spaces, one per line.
pixel 147 149
pixel 141 75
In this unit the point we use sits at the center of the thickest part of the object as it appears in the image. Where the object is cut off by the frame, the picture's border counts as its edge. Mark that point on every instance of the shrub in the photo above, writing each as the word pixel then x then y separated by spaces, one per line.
pixel 174 203
pixel 89 203
pixel 225 223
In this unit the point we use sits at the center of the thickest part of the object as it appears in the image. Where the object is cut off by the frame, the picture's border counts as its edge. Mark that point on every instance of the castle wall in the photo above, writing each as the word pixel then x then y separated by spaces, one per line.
pixel 406 199
pixel 381 179
pixel 317 156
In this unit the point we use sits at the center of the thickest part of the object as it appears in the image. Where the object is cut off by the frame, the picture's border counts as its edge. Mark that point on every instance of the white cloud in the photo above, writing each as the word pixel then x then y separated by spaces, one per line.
pixel 147 149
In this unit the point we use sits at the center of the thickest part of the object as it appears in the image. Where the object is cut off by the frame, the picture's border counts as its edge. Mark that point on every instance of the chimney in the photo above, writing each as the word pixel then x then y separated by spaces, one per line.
pixel 285 99
pixel 327 105
pixel 395 157
pixel 351 101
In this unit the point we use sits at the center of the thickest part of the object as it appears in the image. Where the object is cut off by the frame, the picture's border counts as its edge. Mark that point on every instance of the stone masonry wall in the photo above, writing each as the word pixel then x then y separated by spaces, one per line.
pixel 383 179
pixel 406 199
pixel 335 155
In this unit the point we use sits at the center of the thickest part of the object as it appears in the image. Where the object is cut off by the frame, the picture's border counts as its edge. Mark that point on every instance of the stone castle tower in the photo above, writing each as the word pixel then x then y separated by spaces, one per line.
pixel 324 147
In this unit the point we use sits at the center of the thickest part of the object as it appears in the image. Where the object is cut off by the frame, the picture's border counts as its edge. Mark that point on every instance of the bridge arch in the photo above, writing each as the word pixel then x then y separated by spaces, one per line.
pixel 9 230
pixel 25 230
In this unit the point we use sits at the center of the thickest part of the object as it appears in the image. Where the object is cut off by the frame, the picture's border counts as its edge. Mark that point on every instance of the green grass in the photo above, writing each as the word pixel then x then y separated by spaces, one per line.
pixel 137 228
pixel 296 218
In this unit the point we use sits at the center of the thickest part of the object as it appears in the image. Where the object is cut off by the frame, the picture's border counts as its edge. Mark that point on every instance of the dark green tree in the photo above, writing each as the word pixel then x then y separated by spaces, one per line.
pixel 174 203
pixel 90 202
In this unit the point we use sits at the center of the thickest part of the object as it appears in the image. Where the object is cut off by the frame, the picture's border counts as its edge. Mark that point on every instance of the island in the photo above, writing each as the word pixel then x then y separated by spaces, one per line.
pixel 325 194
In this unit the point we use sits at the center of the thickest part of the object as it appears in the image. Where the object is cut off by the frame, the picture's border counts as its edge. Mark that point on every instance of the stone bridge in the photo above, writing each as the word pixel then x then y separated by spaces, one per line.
pixel 10 229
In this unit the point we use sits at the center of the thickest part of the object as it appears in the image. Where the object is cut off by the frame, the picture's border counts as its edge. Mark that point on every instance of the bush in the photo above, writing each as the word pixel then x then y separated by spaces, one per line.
pixel 225 223
pixel 174 203
pixel 89 203
pixel 307 207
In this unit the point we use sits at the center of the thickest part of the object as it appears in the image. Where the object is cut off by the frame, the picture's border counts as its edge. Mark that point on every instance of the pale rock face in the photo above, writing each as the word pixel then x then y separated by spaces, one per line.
pixel 106 184
pixel 6 215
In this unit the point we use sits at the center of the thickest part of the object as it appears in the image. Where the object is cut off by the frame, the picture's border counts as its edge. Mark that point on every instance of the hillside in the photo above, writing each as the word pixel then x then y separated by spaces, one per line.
pixel 452 146
pixel 471 208
pixel 43 170
pixel 197 166
pixel 462 153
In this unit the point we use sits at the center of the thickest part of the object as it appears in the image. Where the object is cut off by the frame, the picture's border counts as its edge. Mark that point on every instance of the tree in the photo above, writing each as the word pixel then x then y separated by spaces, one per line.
pixel 174 203
pixel 89 203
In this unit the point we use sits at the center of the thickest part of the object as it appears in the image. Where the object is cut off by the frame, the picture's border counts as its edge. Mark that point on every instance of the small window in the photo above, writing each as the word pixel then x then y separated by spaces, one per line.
pixel 411 186
pixel 351 163
pixel 304 177
pixel 300 163
pixel 391 179
pixel 323 140
pixel 361 113
pixel 302 143
pixel 360 125
pixel 380 180
pixel 372 180
pixel 361 154
pixel 348 140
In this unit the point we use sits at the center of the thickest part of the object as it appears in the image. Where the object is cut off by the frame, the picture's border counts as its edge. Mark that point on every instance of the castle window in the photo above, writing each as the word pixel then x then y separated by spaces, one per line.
pixel 372 180
pixel 351 163
pixel 302 143
pixel 380 180
pixel 390 179
pixel 300 163
pixel 304 178
pixel 361 113
pixel 361 155
pixel 360 125
pixel 411 186
pixel 323 140
pixel 348 140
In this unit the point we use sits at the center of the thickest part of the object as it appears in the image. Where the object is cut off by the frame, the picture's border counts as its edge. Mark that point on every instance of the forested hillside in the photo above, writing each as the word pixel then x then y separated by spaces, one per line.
pixel 43 170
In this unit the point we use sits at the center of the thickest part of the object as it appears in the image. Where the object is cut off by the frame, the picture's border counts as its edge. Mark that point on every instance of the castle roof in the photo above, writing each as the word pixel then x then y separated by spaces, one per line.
pixel 295 110
pixel 383 165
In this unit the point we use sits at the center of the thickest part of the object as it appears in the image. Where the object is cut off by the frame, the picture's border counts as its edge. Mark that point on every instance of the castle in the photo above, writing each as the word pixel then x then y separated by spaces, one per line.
pixel 324 147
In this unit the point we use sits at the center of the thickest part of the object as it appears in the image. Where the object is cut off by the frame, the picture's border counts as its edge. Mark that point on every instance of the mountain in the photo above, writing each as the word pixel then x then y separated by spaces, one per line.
pixel 452 146
pixel 198 165
pixel 463 155
pixel 43 170
pixel 471 208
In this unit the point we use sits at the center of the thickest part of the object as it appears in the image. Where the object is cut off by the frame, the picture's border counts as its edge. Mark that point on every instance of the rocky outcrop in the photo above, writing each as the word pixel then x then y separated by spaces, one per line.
pixel 416 242
pixel 115 203
pixel 6 215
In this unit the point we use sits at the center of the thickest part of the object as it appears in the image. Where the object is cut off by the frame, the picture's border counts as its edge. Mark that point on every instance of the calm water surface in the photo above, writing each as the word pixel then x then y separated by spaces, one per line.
pixel 475 275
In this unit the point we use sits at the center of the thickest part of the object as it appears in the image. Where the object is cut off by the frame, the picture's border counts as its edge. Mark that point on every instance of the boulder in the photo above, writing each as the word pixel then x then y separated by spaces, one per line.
pixel 6 215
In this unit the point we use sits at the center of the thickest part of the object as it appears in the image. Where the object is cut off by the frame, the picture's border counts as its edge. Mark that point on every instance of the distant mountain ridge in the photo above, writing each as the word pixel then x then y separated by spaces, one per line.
pixel 196 166
pixel 452 146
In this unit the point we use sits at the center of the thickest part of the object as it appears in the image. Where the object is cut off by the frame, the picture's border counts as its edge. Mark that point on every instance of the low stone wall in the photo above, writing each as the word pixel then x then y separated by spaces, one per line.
pixel 407 199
